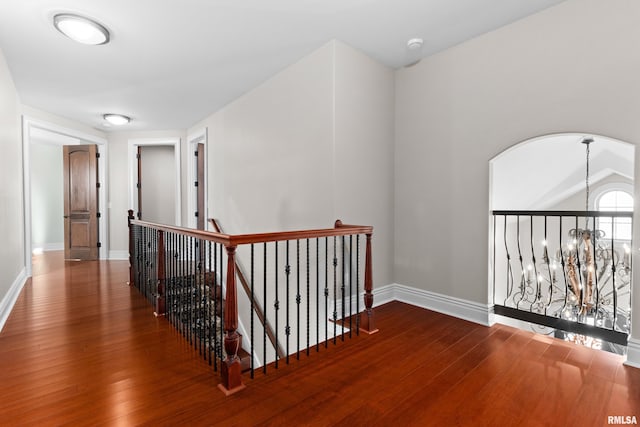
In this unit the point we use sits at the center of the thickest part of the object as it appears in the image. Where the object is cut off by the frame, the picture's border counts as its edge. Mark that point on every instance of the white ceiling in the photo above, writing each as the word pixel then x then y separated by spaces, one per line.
pixel 171 63
pixel 543 171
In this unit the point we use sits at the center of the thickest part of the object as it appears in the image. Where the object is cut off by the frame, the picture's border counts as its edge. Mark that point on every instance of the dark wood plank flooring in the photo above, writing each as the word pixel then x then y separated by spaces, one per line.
pixel 82 348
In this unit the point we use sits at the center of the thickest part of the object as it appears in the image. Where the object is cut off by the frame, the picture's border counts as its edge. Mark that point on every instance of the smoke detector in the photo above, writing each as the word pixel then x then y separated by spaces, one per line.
pixel 415 44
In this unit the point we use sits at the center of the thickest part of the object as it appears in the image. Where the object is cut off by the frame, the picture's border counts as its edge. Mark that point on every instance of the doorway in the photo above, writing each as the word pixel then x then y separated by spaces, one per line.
pixel 142 183
pixel 156 189
pixel 197 210
pixel 37 132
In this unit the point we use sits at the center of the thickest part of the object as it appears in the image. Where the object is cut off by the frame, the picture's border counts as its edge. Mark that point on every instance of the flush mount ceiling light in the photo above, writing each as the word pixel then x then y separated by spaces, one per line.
pixel 81 29
pixel 116 119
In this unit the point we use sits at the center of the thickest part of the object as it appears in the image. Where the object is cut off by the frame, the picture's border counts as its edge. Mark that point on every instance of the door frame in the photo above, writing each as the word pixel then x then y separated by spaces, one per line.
pixel 133 145
pixel 193 139
pixel 61 135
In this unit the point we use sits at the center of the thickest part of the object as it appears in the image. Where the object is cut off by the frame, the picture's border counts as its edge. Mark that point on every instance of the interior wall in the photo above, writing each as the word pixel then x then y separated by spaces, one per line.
pixel 158 184
pixel 363 157
pixel 572 67
pixel 47 208
pixel 12 262
pixel 310 145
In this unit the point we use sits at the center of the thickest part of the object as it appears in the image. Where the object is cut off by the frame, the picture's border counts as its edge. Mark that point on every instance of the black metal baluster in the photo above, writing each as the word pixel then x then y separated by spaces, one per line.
pixel 535 267
pixel 613 277
pixel 509 267
pixel 595 265
pixel 493 271
pixel 546 259
pixel 308 291
pixel 522 278
pixel 342 287
pixel 564 272
pixel 298 299
pixel 217 303
pixel 335 289
pixel 197 307
pixel 190 292
pixel 221 276
pixel 276 304
pixel 326 292
pixel 579 270
pixel 264 298
pixel 317 294
pixel 211 282
pixel 252 310
pixel 357 284
pixel 287 271
pixel 350 284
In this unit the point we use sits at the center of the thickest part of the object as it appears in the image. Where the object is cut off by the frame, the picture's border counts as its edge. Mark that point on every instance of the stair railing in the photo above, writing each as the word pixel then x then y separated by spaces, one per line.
pixel 181 272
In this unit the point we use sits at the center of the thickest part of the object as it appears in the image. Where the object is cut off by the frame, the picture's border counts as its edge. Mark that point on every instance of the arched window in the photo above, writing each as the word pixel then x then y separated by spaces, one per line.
pixel 617 201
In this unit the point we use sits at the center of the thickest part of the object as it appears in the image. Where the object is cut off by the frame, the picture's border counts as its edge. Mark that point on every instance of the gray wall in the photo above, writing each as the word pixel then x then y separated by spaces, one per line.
pixel 310 145
pixel 572 67
pixel 12 262
pixel 47 208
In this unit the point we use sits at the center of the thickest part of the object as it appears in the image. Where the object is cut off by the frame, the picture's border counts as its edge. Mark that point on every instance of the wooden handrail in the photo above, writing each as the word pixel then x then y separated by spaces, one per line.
pixel 245 239
pixel 258 307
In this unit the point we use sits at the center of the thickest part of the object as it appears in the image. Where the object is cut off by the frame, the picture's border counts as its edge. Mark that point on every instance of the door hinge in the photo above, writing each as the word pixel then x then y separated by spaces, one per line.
pixel 98 215
pixel 195 183
pixel 97 155
pixel 195 153
pixel 196 214
pixel 97 185
pixel 139 215
pixel 99 244
pixel 138 156
pixel 138 185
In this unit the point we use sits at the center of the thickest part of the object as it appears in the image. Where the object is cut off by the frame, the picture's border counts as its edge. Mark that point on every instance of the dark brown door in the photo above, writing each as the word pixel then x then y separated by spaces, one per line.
pixel 200 186
pixel 80 202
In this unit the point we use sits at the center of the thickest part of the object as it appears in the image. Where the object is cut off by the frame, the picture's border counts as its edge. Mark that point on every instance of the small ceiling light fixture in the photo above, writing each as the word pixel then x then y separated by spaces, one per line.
pixel 414 44
pixel 81 29
pixel 117 119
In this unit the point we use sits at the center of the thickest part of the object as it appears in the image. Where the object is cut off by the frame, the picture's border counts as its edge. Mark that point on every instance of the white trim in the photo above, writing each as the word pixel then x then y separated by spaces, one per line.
pixel 133 145
pixel 199 136
pixel 29 124
pixel 118 255
pixel 451 306
pixel 10 298
pixel 383 295
pixel 633 353
pixel 47 247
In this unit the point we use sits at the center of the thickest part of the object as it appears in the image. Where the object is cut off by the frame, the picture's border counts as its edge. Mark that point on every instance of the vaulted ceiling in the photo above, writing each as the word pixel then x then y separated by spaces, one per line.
pixel 170 63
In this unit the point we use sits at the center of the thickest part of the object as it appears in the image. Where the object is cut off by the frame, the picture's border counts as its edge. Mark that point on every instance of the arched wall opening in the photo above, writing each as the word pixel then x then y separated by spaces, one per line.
pixel 555 260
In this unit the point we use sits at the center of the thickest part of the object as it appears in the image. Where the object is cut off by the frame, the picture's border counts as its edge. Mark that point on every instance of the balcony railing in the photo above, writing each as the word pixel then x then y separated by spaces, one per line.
pixel 559 269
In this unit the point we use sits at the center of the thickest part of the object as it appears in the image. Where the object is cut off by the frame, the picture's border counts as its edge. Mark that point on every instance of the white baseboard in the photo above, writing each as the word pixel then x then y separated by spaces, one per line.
pixel 9 300
pixel 633 353
pixel 119 255
pixel 456 307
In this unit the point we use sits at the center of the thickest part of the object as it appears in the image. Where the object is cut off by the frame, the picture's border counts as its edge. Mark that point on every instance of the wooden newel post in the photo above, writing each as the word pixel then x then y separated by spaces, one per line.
pixel 367 323
pixel 231 370
pixel 130 218
pixel 161 284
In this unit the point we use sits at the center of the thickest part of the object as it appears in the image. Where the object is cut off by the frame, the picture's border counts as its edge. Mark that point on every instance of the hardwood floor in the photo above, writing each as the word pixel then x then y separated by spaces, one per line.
pixel 82 348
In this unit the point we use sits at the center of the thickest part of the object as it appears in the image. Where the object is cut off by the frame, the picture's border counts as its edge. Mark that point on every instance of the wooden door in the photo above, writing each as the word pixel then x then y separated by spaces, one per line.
pixel 80 202
pixel 200 186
